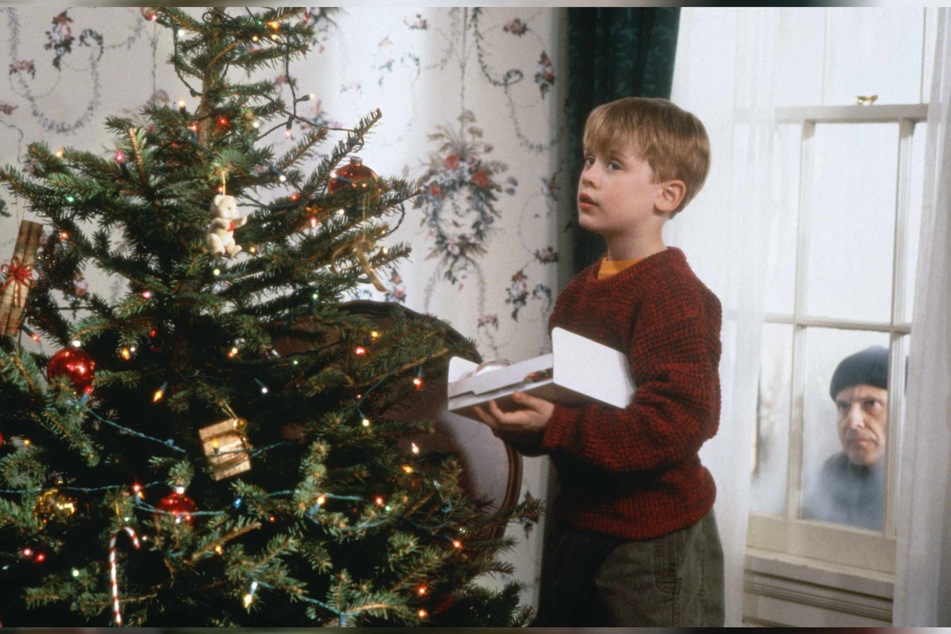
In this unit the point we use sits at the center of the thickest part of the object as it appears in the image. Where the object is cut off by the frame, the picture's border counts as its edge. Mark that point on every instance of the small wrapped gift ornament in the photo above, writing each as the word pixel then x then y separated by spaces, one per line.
pixel 226 446
pixel 18 277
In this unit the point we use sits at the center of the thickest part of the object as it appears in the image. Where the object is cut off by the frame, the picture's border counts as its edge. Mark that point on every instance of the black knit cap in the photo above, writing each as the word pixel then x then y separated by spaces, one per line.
pixel 868 367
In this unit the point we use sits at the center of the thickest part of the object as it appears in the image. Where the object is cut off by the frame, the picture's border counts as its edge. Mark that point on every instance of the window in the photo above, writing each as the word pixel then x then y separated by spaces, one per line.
pixel 842 265
pixel 810 221
pixel 841 281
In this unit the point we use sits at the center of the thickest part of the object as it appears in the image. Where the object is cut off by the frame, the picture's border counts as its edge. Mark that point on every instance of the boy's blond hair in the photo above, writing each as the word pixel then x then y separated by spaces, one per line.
pixel 672 141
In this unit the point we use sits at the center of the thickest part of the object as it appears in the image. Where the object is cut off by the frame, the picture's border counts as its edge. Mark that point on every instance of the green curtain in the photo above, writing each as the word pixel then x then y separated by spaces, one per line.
pixel 612 53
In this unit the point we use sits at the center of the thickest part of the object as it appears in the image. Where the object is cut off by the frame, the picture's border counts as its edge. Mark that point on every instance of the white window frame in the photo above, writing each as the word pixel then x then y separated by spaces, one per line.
pixel 807 539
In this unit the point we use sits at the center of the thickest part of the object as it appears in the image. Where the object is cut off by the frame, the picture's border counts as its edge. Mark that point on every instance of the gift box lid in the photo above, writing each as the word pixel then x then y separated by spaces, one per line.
pixel 578 370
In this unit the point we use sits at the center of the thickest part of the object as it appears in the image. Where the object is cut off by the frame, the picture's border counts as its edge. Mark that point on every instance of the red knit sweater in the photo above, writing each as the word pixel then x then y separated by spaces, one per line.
pixel 635 473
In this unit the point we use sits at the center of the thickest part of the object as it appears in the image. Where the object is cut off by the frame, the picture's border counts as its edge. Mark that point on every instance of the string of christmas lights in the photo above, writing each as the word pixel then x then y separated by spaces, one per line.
pixel 169 443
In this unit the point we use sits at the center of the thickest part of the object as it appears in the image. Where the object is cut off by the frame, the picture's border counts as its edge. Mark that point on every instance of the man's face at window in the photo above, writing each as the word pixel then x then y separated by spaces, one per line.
pixel 863 423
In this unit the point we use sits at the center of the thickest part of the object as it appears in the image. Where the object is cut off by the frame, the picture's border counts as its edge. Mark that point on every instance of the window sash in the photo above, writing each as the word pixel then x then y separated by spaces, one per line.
pixel 885 113
pixel 806 538
pixel 833 543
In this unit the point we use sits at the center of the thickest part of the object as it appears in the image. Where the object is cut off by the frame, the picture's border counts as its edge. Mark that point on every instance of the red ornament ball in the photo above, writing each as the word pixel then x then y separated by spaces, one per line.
pixel 355 176
pixel 75 364
pixel 179 505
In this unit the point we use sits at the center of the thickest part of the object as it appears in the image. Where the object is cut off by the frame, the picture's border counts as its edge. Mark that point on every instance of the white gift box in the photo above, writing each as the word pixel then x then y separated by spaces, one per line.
pixel 577 371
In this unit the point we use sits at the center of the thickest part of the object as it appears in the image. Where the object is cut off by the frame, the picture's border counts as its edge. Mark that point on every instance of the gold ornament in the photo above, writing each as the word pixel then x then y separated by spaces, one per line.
pixel 53 505
pixel 360 248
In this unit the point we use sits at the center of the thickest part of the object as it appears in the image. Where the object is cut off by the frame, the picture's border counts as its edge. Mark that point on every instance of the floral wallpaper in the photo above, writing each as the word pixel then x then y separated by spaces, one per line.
pixel 473 109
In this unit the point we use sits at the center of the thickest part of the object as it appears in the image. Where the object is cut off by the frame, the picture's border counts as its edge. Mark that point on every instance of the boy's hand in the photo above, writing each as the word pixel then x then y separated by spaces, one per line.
pixel 512 426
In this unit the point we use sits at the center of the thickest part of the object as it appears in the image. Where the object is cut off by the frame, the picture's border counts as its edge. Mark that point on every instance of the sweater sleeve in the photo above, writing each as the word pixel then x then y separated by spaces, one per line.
pixel 675 408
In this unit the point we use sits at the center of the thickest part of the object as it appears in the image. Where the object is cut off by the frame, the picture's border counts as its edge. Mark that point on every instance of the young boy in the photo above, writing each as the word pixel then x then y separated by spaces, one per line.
pixel 635 540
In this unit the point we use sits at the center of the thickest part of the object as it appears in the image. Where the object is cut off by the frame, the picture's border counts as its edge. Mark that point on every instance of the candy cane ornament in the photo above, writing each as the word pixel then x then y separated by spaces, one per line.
pixel 112 568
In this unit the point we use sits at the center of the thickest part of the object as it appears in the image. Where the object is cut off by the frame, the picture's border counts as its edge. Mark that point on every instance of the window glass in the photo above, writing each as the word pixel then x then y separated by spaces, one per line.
pixel 913 231
pixel 852 221
pixel 798 48
pixel 781 266
pixel 896 434
pixel 771 441
pixel 844 440
pixel 931 28
pixel 875 51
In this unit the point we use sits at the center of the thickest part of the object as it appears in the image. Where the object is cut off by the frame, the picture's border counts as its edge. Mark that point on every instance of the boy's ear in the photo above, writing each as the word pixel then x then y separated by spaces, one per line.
pixel 671 195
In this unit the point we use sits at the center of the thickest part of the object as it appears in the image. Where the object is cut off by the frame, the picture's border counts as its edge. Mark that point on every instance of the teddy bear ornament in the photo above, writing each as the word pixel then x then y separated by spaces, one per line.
pixel 225 221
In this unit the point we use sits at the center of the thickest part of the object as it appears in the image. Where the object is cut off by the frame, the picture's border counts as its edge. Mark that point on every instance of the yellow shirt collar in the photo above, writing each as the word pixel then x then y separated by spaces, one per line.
pixel 613 267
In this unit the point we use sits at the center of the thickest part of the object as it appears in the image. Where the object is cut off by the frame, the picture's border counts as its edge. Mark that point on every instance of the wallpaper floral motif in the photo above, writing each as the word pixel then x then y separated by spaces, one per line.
pixel 460 192
pixel 473 110
pixel 471 98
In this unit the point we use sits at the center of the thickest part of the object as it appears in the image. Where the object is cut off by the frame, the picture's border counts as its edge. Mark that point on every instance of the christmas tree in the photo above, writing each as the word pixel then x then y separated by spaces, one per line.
pixel 232 443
